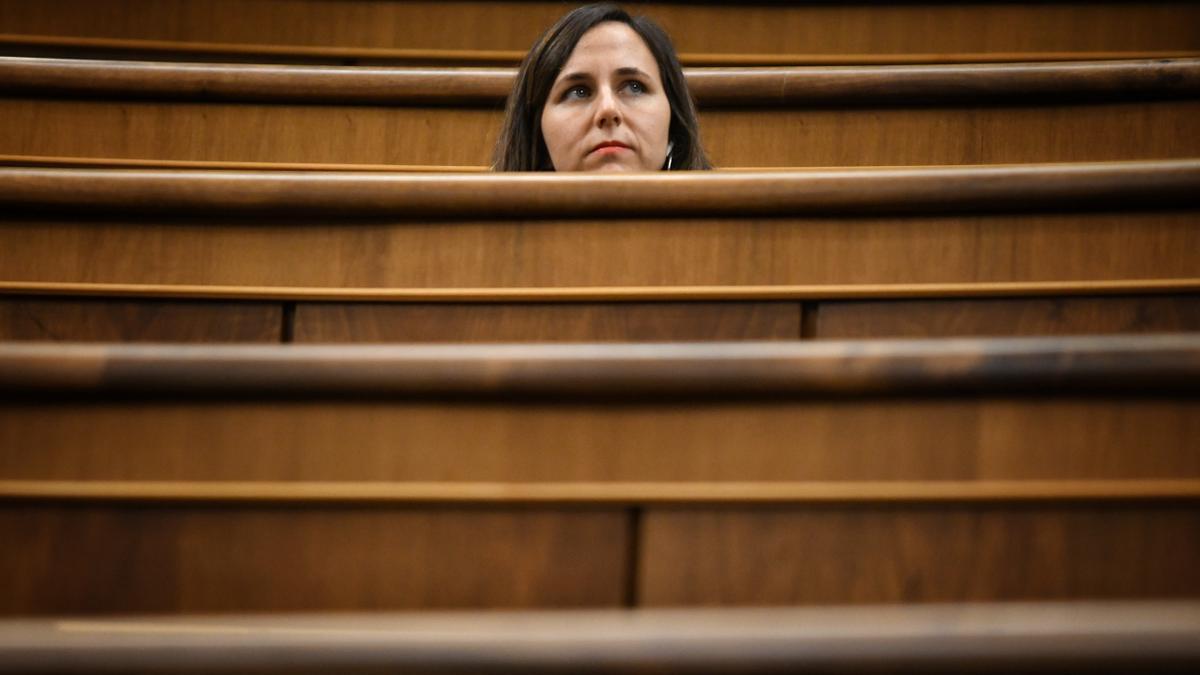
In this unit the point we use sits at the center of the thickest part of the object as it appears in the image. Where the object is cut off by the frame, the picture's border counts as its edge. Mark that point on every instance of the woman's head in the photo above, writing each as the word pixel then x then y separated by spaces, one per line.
pixel 600 91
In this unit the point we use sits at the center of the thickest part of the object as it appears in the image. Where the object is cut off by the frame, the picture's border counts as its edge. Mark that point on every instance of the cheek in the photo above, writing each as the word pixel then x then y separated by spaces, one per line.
pixel 557 130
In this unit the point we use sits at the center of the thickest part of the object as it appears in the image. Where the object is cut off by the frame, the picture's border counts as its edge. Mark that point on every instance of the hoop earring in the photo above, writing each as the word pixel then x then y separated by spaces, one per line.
pixel 668 162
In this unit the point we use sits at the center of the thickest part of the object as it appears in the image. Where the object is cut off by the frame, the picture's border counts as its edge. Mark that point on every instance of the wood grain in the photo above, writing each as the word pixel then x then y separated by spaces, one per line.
pixel 1069 438
pixel 106 560
pixel 469 322
pixel 672 252
pixel 431 136
pixel 780 556
pixel 1006 316
pixel 823 28
pixel 103 320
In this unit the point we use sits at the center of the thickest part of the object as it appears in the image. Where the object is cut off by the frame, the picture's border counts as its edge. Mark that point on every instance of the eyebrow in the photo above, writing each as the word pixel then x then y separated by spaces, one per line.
pixel 627 70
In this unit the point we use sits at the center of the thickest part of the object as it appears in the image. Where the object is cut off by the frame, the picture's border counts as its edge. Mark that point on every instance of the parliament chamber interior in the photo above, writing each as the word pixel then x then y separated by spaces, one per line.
pixel 292 381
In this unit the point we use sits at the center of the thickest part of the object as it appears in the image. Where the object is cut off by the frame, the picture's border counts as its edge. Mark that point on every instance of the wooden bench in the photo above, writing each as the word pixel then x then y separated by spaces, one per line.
pixel 357 117
pixel 287 478
pixel 284 256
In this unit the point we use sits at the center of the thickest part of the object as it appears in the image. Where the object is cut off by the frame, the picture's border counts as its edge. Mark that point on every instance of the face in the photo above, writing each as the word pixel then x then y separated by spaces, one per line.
pixel 607 110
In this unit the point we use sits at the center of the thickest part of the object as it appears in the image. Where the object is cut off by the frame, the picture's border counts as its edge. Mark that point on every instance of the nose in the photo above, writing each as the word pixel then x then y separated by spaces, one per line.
pixel 608 109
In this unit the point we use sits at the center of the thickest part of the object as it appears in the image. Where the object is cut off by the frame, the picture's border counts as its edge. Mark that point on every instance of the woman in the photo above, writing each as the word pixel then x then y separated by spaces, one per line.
pixel 600 91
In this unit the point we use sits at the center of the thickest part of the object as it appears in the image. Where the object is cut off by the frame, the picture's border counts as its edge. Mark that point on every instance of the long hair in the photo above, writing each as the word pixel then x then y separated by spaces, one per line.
pixel 521 146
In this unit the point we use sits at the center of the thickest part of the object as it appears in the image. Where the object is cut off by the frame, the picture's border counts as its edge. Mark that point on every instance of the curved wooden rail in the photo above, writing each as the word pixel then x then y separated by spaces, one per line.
pixel 610 293
pixel 950 189
pixel 639 493
pixel 1009 637
pixel 138 49
pixel 1131 364
pixel 810 86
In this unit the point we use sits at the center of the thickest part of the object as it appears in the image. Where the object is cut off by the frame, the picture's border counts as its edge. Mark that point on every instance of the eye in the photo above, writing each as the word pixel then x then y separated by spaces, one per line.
pixel 579 91
pixel 635 87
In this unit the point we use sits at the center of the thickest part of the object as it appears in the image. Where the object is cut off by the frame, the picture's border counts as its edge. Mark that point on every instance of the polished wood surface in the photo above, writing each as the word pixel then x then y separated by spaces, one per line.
pixel 829 116
pixel 53 46
pixel 579 322
pixel 1008 637
pixel 718 28
pixel 1005 316
pixel 118 163
pixel 423 136
pixel 1138 365
pixel 118 559
pixel 638 493
pixel 112 320
pixel 810 252
pixel 434 136
pixel 1038 289
pixel 990 438
pixel 712 87
pixel 781 556
pixel 925 190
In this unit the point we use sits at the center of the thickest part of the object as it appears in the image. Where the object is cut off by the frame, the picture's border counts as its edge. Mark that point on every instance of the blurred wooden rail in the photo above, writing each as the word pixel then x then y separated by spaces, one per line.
pixel 712 87
pixel 832 369
pixel 53 46
pixel 640 493
pixel 852 116
pixel 1026 637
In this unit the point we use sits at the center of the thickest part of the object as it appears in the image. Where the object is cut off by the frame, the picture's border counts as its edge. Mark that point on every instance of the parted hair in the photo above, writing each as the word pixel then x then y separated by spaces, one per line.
pixel 521 146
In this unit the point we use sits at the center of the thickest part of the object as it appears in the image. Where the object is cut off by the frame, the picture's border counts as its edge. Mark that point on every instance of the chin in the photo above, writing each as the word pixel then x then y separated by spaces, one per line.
pixel 613 167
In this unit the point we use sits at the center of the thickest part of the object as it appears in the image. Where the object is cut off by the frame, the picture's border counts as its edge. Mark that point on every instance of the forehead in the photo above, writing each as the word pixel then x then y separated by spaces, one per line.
pixel 607 47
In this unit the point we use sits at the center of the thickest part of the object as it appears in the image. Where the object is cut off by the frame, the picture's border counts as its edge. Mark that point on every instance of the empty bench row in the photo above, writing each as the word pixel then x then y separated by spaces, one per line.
pixel 335 232
pixel 91 111
pixel 280 478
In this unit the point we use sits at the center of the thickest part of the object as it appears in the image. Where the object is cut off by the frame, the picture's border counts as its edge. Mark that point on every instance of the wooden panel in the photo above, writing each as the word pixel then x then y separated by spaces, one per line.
pixel 934 136
pixel 252 132
pixel 1006 316
pixel 464 136
pixel 828 556
pixel 814 27
pixel 325 252
pixel 884 439
pixel 26 318
pixel 112 559
pixel 361 322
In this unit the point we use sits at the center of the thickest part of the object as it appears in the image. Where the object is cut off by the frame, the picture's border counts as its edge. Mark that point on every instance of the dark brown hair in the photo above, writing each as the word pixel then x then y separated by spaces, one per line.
pixel 521 146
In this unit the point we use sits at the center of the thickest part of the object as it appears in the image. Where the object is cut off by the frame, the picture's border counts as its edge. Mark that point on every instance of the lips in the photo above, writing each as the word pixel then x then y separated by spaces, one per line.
pixel 609 144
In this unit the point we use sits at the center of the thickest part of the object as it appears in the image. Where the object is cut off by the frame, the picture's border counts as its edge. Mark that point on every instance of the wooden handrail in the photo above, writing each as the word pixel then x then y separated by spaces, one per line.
pixel 609 493
pixel 982 289
pixel 292 53
pixel 664 194
pixel 1129 365
pixel 1008 637
pixel 809 86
